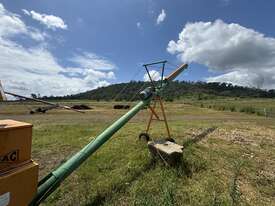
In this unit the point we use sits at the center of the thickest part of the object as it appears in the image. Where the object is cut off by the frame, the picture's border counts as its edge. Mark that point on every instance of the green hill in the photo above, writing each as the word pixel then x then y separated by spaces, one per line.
pixel 176 90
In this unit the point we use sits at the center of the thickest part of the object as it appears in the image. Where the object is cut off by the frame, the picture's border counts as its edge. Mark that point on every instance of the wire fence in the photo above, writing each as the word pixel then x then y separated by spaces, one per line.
pixel 268 112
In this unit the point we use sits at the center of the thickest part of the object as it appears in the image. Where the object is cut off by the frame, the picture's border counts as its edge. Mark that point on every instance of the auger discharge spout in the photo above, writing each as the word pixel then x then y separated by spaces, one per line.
pixel 48 184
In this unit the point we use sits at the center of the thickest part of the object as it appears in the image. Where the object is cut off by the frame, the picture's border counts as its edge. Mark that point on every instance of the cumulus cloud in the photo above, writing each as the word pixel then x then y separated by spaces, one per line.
pixel 50 21
pixel 243 78
pixel 245 56
pixel 161 16
pixel 11 25
pixel 155 75
pixel 36 70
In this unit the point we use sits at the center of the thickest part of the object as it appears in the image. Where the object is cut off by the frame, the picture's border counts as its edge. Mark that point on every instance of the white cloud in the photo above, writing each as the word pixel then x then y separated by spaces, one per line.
pixel 225 2
pixel 139 26
pixel 240 78
pixel 11 25
pixel 35 69
pixel 155 75
pixel 26 12
pixel 246 56
pixel 51 21
pixel 92 61
pixel 161 16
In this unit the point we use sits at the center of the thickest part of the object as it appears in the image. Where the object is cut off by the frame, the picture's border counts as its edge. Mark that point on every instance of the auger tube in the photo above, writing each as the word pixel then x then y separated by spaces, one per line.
pixel 43 101
pixel 51 182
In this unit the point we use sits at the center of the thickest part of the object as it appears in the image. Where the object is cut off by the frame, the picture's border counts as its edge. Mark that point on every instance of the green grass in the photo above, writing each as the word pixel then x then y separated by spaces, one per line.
pixel 260 107
pixel 228 157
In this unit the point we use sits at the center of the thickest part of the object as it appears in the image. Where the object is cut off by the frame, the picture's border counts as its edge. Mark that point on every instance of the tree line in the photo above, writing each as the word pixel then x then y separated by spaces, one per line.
pixel 175 90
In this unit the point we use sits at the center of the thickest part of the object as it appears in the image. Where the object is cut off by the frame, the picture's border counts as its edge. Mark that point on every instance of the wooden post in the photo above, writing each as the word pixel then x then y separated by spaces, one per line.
pixel 2 93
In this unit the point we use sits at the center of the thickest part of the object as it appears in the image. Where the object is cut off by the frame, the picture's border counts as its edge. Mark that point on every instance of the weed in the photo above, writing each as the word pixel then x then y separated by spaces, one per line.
pixel 235 193
pixel 248 110
pixel 232 109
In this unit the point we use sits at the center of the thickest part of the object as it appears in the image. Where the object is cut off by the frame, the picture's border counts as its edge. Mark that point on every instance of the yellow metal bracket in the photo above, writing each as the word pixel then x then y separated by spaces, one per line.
pixel 153 112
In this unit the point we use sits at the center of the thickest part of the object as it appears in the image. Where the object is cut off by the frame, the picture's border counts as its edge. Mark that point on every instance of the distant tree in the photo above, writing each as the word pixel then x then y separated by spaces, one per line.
pixel 175 90
pixel 34 96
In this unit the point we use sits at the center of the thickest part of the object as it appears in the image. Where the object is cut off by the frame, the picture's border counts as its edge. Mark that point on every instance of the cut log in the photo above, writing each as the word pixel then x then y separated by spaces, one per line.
pixel 169 152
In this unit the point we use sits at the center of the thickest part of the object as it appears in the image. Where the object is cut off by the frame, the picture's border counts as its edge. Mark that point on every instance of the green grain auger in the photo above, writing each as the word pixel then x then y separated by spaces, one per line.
pixel 51 182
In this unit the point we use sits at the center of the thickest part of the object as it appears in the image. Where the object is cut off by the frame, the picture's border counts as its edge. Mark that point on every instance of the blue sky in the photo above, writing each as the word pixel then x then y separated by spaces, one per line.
pixel 96 43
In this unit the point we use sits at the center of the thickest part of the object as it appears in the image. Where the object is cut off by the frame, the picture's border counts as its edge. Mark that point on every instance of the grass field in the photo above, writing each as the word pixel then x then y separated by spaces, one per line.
pixel 260 107
pixel 232 165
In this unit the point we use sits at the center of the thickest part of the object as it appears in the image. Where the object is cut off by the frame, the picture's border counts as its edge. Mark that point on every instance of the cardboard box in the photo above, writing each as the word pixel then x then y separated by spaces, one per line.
pixel 15 143
pixel 19 185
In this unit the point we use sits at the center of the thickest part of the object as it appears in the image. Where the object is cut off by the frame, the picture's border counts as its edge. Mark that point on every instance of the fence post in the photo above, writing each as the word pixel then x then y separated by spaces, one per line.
pixel 265 114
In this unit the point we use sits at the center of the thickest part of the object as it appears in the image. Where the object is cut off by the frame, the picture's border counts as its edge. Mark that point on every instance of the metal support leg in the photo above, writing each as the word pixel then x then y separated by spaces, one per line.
pixel 154 112
pixel 164 117
pixel 151 117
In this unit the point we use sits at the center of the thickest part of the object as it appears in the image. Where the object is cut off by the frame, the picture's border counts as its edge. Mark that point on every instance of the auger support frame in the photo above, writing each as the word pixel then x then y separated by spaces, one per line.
pixel 53 180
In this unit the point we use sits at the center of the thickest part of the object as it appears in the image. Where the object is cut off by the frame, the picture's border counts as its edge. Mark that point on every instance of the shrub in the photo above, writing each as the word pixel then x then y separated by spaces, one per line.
pixel 232 108
pixel 169 99
pixel 248 110
pixel 259 113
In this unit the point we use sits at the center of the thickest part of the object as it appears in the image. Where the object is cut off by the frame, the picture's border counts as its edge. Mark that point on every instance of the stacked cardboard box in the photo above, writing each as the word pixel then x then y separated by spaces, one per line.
pixel 18 173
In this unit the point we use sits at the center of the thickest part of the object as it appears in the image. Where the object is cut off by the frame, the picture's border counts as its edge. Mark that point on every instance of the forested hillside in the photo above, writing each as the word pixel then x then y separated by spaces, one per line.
pixel 176 90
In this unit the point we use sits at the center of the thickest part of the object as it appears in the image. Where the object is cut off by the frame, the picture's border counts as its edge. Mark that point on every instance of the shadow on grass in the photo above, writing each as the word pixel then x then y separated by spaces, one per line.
pixel 192 163
pixel 121 187
pixel 186 168
pixel 198 137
